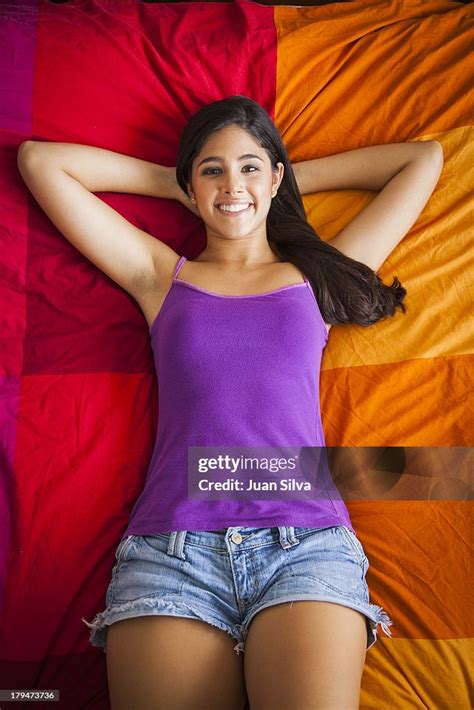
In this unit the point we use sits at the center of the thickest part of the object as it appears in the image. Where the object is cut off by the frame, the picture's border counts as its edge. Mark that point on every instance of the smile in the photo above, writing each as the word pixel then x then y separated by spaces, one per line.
pixel 234 210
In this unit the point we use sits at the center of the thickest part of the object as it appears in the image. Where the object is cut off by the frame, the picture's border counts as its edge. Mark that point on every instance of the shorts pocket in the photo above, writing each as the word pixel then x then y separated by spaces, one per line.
pixel 158 542
pixel 354 542
pixel 329 558
pixel 303 532
pixel 122 548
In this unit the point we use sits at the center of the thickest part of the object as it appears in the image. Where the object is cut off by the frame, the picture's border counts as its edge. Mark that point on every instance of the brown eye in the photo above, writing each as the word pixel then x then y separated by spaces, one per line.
pixel 211 171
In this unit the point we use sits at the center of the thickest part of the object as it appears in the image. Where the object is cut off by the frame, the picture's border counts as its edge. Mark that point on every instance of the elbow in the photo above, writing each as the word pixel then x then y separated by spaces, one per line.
pixel 25 161
pixel 434 160
pixel 24 150
pixel 439 157
pixel 437 151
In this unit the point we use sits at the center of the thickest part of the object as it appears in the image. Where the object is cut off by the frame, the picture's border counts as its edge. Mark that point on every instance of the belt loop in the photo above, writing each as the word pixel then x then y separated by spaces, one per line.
pixel 287 537
pixel 176 544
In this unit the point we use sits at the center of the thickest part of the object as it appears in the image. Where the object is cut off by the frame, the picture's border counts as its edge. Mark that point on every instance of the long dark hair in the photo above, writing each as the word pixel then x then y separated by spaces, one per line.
pixel 347 291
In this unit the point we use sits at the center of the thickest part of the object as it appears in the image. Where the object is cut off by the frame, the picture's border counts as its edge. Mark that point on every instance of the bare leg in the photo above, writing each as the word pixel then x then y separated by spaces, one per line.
pixel 172 663
pixel 305 655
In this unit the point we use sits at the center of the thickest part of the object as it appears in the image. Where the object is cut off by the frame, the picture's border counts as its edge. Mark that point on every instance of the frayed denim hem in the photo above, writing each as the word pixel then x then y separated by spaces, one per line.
pixel 150 606
pixel 380 617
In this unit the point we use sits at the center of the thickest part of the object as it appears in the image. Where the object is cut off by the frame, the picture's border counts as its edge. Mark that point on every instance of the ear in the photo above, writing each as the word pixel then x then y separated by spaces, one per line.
pixel 277 176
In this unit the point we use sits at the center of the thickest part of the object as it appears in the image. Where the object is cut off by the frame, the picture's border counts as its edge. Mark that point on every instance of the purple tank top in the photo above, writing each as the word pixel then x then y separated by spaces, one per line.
pixel 233 371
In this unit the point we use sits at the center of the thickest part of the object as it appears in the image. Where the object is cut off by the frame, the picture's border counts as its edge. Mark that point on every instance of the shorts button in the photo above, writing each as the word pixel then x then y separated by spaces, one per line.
pixel 237 538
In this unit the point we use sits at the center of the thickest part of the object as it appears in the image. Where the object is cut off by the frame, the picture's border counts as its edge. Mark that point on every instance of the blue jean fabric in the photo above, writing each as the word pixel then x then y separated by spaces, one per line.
pixel 226 577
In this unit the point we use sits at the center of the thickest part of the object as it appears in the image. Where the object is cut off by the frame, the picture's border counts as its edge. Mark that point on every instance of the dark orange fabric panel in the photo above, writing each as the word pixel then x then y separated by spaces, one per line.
pixel 423 402
pixel 358 73
pixel 420 556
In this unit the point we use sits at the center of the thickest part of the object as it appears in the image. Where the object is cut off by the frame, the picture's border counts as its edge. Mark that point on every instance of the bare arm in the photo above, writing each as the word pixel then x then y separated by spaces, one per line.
pixel 368 168
pixel 101 170
pixel 63 176
pixel 406 175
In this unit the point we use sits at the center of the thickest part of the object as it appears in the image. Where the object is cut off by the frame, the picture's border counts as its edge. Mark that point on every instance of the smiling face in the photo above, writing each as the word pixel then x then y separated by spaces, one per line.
pixel 233 183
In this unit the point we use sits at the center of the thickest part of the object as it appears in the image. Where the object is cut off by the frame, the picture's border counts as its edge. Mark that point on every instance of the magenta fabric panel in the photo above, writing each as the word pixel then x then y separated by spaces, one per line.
pixel 17 49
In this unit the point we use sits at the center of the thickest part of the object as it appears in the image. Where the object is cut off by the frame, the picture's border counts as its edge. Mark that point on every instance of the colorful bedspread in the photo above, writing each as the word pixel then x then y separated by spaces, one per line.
pixel 78 389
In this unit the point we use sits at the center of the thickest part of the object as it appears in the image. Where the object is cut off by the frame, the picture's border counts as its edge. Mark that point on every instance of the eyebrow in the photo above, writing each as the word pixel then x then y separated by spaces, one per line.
pixel 247 156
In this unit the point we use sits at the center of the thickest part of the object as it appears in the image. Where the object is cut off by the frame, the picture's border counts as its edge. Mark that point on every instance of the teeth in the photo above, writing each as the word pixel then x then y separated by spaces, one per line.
pixel 234 208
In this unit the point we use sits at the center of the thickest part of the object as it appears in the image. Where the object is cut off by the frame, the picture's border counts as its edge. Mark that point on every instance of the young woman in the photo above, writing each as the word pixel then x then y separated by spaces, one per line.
pixel 238 334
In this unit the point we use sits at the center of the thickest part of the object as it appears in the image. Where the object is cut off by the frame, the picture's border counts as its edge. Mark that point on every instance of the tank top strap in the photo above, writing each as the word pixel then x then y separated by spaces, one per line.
pixel 178 267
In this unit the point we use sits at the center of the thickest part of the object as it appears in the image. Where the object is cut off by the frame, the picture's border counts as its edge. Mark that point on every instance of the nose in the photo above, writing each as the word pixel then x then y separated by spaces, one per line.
pixel 232 184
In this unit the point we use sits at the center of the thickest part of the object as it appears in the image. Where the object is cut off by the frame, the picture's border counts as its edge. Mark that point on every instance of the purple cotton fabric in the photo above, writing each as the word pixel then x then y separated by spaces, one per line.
pixel 237 371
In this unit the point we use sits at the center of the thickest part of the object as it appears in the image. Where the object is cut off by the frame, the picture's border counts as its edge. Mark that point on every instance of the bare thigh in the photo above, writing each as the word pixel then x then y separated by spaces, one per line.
pixel 305 655
pixel 171 663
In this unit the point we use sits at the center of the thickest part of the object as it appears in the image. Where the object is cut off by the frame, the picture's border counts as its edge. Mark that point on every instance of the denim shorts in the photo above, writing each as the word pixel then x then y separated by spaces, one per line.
pixel 226 577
